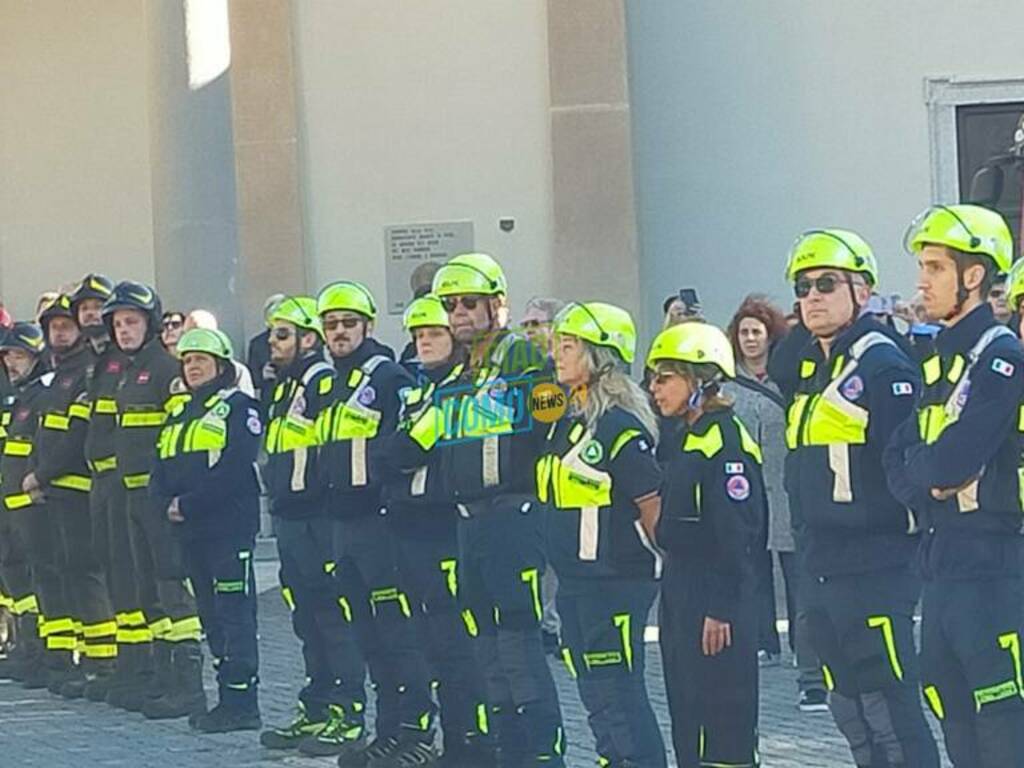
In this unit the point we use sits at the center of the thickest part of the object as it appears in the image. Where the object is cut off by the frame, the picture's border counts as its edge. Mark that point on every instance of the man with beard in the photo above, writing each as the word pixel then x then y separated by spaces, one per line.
pixel 61 474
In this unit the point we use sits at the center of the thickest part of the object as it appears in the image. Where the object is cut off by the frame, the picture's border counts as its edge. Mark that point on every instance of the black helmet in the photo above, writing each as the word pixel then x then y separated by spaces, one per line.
pixel 27 337
pixel 59 307
pixel 131 295
pixel 93 286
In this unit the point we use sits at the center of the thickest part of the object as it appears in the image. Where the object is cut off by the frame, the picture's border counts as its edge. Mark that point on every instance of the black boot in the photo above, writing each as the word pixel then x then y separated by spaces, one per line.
pixel 61 670
pixel 97 673
pixel 185 696
pixel 137 679
pixel 236 711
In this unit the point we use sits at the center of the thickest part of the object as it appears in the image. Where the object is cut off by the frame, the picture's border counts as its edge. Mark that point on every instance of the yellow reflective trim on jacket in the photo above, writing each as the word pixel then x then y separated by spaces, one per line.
pixel 956 369
pixel 99 466
pixel 207 433
pixel 931 693
pixel 79 411
pixel 347 421
pixel 56 421
pixel 17 447
pixel 105 405
pixel 807 368
pixel 429 428
pixel 932 421
pixel 830 419
pixel 622 440
pixel 142 419
pixel 710 443
pixel 747 442
pixel 133 482
pixel 73 483
pixel 931 369
pixel 18 501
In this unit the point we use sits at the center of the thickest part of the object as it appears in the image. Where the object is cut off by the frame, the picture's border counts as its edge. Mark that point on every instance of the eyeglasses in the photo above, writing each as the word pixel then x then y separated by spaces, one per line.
pixel 469 302
pixel 345 322
pixel 173 324
pixel 823 284
pixel 283 334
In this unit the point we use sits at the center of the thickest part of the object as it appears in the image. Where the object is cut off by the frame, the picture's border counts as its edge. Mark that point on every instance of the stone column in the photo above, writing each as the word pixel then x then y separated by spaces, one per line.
pixel 266 161
pixel 595 237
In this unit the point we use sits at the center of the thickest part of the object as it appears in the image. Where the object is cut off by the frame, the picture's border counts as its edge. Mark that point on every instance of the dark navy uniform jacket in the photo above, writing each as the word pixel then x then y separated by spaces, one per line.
pixel 844 410
pixel 712 512
pixel 966 435
pixel 217 487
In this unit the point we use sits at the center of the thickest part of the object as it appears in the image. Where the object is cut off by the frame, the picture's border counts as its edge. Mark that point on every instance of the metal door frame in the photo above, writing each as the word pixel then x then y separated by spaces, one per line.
pixel 942 95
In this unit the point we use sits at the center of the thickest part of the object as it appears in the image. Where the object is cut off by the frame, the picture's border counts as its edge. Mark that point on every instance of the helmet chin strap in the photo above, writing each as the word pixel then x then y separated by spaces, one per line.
pixel 962 294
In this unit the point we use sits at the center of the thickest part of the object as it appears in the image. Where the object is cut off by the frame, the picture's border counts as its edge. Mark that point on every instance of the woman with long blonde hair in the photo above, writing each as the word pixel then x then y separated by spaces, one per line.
pixel 599 474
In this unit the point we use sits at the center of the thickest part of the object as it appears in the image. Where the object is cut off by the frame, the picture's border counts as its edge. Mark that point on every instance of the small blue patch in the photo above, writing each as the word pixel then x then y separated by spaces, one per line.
pixel 853 387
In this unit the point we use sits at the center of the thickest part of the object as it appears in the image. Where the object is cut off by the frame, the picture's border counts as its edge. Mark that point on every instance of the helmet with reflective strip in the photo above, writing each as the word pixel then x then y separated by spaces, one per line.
pixel 832 248
pixel 300 311
pixel 129 294
pixel 603 325
pixel 347 295
pixel 694 343
pixel 424 312
pixel 59 307
pixel 27 337
pixel 475 273
pixel 1015 285
pixel 93 286
pixel 208 341
pixel 966 228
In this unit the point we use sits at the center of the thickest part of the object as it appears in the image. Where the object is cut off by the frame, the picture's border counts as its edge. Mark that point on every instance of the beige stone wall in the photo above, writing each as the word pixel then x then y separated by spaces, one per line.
pixel 417 111
pixel 74 145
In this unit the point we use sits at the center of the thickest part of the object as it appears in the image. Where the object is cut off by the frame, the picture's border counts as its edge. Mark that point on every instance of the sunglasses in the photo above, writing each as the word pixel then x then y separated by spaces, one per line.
pixel 283 334
pixel 823 284
pixel 173 324
pixel 469 302
pixel 345 322
pixel 664 377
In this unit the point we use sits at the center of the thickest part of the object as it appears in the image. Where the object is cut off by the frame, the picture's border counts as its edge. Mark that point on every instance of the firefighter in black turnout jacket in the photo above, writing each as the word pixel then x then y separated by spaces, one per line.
pixel 149 388
pixel 601 478
pixel 487 459
pixel 422 521
pixel 856 385
pixel 362 408
pixel 31 558
pixel 957 462
pixel 60 472
pixel 205 480
pixel 711 515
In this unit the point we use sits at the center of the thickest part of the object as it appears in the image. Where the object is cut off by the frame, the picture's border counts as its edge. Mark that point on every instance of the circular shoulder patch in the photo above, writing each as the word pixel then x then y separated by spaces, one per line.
pixel 592 452
pixel 853 387
pixel 367 395
pixel 737 488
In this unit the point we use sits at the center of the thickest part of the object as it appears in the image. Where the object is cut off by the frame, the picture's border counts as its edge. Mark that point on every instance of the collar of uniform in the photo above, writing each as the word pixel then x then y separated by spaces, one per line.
pixel 358 356
pixel 223 380
pixel 151 350
pixel 79 355
pixel 299 366
pixel 701 425
pixel 963 335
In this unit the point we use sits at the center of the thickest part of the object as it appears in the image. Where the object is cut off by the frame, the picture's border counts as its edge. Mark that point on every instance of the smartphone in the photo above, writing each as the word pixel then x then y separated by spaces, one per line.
pixel 690 300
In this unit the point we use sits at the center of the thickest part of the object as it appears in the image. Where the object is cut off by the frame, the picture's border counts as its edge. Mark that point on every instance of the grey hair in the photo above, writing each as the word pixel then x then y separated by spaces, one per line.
pixel 547 307
pixel 610 386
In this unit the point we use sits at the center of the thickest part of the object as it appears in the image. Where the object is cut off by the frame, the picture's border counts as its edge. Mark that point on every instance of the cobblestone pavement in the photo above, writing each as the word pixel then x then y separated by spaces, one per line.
pixel 37 729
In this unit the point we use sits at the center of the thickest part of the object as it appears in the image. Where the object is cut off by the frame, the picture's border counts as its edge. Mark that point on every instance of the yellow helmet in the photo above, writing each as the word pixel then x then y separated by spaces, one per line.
pixel 425 311
pixel 300 311
pixel 694 343
pixel 835 248
pixel 347 295
pixel 207 340
pixel 604 325
pixel 1015 285
pixel 470 273
pixel 967 228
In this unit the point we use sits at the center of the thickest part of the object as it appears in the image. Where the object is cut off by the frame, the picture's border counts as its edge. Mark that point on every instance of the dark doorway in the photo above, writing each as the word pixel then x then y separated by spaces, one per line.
pixel 985 140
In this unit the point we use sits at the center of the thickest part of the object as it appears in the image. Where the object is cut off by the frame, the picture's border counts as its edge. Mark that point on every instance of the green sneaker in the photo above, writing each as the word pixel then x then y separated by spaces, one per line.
pixel 291 735
pixel 339 736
